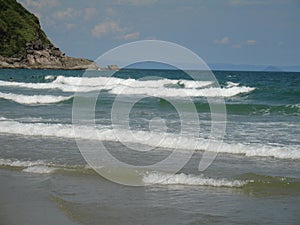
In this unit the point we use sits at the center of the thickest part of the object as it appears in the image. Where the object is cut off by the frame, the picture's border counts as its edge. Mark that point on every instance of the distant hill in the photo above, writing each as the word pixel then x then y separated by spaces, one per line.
pixel 23 44
pixel 272 69
pixel 245 67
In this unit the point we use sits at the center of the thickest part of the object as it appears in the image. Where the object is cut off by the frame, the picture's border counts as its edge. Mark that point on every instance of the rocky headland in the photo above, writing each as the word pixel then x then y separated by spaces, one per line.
pixel 23 44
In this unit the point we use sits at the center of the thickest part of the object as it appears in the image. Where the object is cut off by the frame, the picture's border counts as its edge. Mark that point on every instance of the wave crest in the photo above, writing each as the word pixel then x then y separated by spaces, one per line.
pixel 159 88
pixel 188 179
pixel 34 99
pixel 39 169
pixel 170 141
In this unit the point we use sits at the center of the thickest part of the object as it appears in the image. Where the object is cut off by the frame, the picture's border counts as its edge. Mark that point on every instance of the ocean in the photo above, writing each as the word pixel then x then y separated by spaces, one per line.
pixel 45 177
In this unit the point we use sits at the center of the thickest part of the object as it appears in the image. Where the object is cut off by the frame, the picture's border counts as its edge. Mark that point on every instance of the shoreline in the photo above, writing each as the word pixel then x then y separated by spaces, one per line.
pixel 58 63
pixel 132 69
pixel 62 63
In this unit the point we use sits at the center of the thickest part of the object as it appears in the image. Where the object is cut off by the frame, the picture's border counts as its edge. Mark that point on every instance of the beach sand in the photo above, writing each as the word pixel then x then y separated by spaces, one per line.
pixel 24 201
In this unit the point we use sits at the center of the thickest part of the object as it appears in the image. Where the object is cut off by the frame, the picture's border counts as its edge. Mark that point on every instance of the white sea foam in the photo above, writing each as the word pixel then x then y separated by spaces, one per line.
pixel 184 179
pixel 50 77
pixel 172 92
pixel 158 88
pixel 43 86
pixel 34 99
pixel 38 166
pixel 251 150
pixel 39 169
pixel 232 84
pixel 295 106
pixel 156 139
pixel 114 81
pixel 20 163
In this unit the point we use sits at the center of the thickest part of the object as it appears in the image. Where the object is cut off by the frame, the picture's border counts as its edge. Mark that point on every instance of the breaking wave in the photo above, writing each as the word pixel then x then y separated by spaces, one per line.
pixel 39 169
pixel 156 139
pixel 114 81
pixel 188 179
pixel 38 166
pixel 257 184
pixel 172 92
pixel 159 88
pixel 50 77
pixel 20 163
pixel 34 99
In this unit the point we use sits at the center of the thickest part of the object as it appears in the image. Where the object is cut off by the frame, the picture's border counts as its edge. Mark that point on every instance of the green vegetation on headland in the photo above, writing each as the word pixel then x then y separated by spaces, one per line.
pixel 19 27
pixel 23 44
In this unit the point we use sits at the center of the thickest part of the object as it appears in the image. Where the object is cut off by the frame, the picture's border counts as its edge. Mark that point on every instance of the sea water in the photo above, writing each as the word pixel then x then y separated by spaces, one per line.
pixel 254 179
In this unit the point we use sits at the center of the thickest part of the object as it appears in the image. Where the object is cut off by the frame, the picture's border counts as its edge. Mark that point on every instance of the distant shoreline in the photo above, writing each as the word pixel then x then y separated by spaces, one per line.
pixel 61 62
pixel 133 69
pixel 64 63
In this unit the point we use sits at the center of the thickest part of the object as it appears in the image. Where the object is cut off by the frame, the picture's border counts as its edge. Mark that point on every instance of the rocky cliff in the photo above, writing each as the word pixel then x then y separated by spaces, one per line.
pixel 23 44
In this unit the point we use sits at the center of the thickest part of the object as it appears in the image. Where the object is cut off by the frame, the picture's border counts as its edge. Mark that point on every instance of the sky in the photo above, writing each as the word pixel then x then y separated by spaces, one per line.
pixel 252 32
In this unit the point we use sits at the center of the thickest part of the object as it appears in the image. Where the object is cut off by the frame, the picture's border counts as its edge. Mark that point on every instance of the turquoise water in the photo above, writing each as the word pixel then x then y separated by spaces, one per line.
pixel 254 179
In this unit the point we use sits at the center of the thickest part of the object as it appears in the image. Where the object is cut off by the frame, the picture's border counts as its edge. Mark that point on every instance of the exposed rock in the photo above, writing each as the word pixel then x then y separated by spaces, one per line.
pixel 23 44
pixel 56 53
pixel 37 45
pixel 29 51
pixel 4 64
pixel 31 59
pixel 113 67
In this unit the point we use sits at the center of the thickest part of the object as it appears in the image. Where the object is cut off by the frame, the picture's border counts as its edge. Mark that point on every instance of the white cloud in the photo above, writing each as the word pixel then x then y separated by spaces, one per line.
pixel 251 42
pixel 68 13
pixel 136 2
pixel 243 43
pixel 89 13
pixel 110 11
pixel 237 45
pixel 130 36
pixel 39 4
pixel 114 29
pixel 70 26
pixel 107 27
pixel 223 41
pixel 249 2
